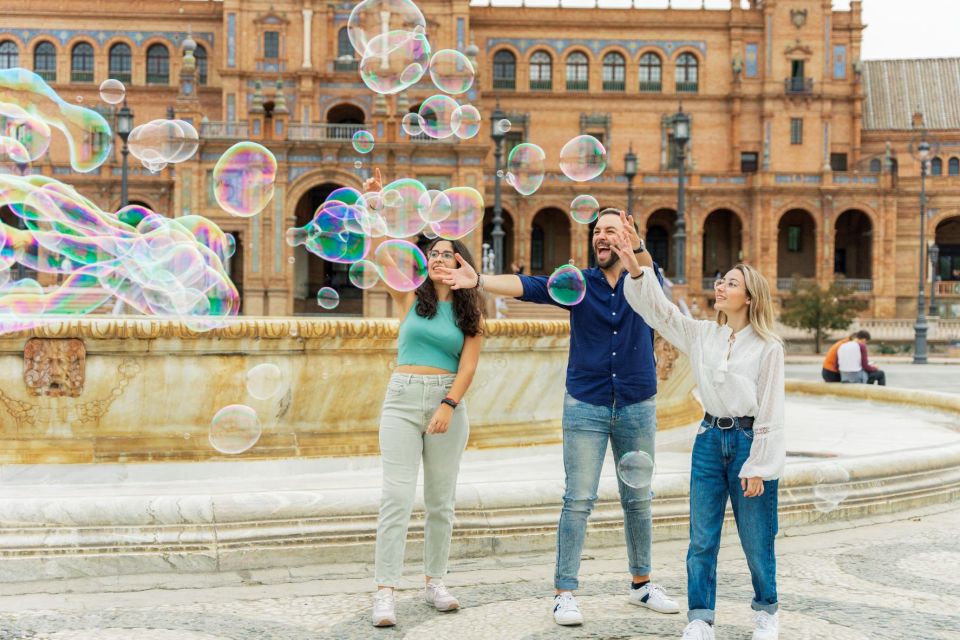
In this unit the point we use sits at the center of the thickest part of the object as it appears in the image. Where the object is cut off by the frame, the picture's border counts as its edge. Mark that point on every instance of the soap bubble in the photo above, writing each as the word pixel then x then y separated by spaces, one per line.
pixel 412 124
pixel 500 173
pixel 636 469
pixel 437 206
pixel 394 61
pixel 155 141
pixel 112 91
pixel 264 381
pixel 401 264
pixel 244 179
pixel 466 213
pixel 502 126
pixel 526 165
pixel 191 142
pixel 831 486
pixel 583 158
pixel 357 165
pixel 567 285
pixel 363 274
pixel 328 298
pixel 13 151
pixel 451 71
pixel 371 18
pixel 584 209
pixel 404 204
pixel 465 122
pixel 335 233
pixel 436 115
pixel 30 132
pixel 234 429
pixel 363 141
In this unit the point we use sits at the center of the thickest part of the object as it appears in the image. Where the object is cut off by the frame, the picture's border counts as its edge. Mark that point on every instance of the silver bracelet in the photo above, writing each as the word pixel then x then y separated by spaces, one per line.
pixel 479 282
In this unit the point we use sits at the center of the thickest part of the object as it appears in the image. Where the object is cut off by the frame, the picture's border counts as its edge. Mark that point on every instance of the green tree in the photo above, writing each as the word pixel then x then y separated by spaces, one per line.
pixel 820 310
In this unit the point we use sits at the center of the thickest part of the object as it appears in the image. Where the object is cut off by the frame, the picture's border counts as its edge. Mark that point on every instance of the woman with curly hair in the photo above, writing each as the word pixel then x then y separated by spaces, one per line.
pixel 424 417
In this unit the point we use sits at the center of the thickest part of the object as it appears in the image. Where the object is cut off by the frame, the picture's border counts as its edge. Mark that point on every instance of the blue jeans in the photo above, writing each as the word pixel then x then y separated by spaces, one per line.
pixel 586 429
pixel 718 456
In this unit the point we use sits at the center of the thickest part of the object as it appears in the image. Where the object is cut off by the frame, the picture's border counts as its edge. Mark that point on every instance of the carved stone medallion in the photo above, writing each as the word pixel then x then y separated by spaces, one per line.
pixel 54 368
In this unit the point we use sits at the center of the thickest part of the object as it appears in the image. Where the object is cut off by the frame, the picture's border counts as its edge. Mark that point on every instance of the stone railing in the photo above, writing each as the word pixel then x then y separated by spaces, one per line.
pixel 322 131
pixel 224 130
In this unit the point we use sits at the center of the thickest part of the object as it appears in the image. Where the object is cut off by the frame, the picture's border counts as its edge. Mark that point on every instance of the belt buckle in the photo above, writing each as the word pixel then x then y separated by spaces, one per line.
pixel 733 423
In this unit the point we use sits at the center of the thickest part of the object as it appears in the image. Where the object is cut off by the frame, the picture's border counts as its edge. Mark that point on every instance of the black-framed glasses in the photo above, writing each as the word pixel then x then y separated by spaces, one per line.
pixel 446 255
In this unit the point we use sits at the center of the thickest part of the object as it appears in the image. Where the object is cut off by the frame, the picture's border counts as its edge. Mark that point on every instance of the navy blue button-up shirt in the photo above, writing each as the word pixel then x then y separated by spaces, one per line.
pixel 611 347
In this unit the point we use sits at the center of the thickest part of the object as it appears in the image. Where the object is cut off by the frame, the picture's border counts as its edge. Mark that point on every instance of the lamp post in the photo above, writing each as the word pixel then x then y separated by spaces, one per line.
pixel 934 257
pixel 681 136
pixel 124 127
pixel 630 171
pixel 920 327
pixel 497 234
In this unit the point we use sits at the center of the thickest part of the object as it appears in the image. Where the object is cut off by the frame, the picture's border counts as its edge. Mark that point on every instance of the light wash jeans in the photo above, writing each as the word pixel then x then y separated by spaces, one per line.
pixel 718 456
pixel 586 430
pixel 407 409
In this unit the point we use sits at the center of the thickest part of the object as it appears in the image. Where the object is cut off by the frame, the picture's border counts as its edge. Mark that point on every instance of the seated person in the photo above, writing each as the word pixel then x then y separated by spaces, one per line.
pixel 854 363
pixel 831 371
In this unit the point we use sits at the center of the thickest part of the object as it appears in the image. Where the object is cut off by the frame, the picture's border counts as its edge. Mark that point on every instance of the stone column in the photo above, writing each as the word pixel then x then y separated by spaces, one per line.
pixel 307 24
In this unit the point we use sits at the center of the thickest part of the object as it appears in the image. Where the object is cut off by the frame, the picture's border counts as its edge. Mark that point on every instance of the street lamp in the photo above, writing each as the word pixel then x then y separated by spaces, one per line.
pixel 934 257
pixel 630 171
pixel 497 234
pixel 124 127
pixel 681 136
pixel 920 326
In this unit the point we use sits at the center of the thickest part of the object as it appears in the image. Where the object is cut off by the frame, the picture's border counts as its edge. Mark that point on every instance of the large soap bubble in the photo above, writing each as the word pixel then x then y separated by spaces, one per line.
pixel 465 122
pixel 436 116
pixel 583 158
pixel 32 133
pixel 584 209
pixel 526 165
pixel 112 91
pixel 394 61
pixel 244 179
pixel 635 469
pixel 466 213
pixel 412 124
pixel 372 18
pixel 401 264
pixel 234 429
pixel 404 204
pixel 363 274
pixel 566 285
pixel 451 71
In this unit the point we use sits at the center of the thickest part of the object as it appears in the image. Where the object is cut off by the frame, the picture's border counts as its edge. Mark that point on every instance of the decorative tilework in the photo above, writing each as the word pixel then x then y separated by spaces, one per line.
pixel 278 230
pixel 231 40
pixel 255 244
pixel 231 107
pixel 840 62
pixel 186 192
pixel 751 60
pixel 295 172
pixel 769 48
pixel 461 30
pixel 101 36
pixel 826 46
pixel 596 46
pixel 305 158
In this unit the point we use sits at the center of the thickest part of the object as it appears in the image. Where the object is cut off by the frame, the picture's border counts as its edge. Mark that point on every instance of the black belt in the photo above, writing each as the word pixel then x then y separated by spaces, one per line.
pixel 745 422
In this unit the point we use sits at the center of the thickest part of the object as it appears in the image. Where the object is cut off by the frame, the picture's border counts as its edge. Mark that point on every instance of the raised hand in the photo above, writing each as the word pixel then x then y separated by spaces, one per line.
pixel 623 247
pixel 375 183
pixel 463 278
pixel 631 230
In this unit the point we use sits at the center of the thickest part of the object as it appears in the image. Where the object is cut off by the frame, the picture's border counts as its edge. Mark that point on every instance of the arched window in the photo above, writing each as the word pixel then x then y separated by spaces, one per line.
pixel 81 62
pixel 936 167
pixel 158 64
pixel 651 73
pixel 45 61
pixel 202 64
pixel 614 72
pixel 344 48
pixel 504 70
pixel 541 71
pixel 578 72
pixel 9 55
pixel 953 167
pixel 875 165
pixel 120 62
pixel 687 80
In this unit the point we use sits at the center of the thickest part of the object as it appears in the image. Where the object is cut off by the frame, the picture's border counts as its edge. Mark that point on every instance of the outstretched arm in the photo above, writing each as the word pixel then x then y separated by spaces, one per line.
pixel 466 277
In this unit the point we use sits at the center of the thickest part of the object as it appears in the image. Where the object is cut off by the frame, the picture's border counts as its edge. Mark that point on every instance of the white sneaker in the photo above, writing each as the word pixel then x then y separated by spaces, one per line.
pixel 698 630
pixel 767 627
pixel 384 613
pixel 565 610
pixel 436 593
pixel 652 596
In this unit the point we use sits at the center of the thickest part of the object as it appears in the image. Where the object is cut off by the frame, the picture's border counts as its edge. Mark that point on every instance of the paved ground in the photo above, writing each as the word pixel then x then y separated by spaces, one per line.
pixel 880 581
pixel 930 377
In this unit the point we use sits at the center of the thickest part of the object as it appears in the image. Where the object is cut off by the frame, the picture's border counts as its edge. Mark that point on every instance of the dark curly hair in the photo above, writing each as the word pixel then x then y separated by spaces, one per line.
pixel 467 303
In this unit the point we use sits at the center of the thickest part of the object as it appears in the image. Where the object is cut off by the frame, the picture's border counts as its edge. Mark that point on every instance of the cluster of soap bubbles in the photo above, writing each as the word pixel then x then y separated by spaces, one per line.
pixel 582 158
pixel 236 428
pixel 566 285
pixel 164 141
pixel 440 116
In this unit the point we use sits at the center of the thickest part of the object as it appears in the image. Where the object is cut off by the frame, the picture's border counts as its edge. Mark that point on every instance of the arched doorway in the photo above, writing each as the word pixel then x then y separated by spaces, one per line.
pixel 344 121
pixel 507 226
pixel 853 249
pixel 549 241
pixel 722 243
pixel 659 237
pixel 947 238
pixel 796 249
pixel 311 272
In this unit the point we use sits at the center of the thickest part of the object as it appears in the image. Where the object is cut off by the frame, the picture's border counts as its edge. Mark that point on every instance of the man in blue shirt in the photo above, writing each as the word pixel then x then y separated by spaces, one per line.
pixel 611 382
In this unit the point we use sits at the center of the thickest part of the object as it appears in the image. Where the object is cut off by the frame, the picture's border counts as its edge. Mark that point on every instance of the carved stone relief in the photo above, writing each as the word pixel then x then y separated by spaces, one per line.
pixel 54 368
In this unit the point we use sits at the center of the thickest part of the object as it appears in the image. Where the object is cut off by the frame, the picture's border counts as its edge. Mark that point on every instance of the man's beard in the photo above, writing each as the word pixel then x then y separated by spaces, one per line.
pixel 609 262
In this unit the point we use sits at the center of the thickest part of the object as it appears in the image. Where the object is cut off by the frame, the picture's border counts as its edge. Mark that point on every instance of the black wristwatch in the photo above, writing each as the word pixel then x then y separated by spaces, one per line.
pixel 642 248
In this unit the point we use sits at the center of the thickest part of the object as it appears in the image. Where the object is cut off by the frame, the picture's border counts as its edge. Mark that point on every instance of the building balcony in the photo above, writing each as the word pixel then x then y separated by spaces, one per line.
pixel 158 78
pixel 614 85
pixel 857 285
pixel 948 288
pixel 578 85
pixel 505 83
pixel 80 76
pixel 48 75
pixel 323 131
pixel 541 85
pixel 225 130
pixel 688 87
pixel 651 87
pixel 798 86
pixel 122 76
pixel 345 64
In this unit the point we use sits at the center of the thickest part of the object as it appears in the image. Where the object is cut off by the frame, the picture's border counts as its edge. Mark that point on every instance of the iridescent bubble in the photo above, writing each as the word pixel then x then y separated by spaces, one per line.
pixel 465 122
pixel 500 173
pixel 264 381
pixel 244 179
pixel 328 298
pixel 451 71
pixel 636 469
pixel 583 158
pixel 33 133
pixel 156 141
pixel 191 142
pixel 502 126
pixel 371 18
pixel 357 165
pixel 336 233
pixel 466 213
pixel 363 274
pixel 567 285
pixel 584 209
pixel 831 486
pixel 401 264
pixel 112 91
pixel 363 141
pixel 234 429
pixel 404 205
pixel 436 206
pixel 526 165
pixel 412 124
pixel 436 114
pixel 11 150
pixel 394 61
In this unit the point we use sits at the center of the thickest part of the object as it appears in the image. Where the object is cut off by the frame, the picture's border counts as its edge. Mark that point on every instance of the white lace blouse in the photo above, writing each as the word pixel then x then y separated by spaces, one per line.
pixel 738 374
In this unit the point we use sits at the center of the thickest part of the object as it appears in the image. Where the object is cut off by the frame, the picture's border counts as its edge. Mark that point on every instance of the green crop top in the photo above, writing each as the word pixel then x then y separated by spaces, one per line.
pixel 430 342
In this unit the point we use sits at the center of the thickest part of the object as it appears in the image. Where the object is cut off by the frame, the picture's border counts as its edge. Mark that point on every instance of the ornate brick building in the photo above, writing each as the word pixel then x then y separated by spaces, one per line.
pixel 802 158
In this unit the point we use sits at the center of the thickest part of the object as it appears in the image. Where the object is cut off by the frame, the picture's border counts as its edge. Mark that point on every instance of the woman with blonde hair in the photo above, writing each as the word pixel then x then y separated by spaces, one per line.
pixel 739 451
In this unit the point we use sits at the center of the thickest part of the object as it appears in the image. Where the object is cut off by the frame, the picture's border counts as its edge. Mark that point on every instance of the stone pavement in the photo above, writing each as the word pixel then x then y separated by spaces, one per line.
pixel 876 580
